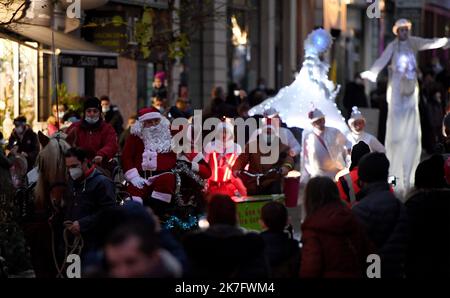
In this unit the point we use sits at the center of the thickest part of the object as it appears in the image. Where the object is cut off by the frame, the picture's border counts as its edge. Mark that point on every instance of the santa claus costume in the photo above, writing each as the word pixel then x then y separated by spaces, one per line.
pixel 148 160
pixel 221 155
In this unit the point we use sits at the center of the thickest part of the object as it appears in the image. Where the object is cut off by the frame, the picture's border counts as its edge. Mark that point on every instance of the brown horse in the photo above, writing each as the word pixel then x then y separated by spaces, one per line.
pixel 48 193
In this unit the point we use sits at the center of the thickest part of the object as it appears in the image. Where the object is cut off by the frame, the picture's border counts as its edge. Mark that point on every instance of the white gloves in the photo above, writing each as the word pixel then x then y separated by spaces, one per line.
pixel 138 182
pixel 134 178
pixel 368 75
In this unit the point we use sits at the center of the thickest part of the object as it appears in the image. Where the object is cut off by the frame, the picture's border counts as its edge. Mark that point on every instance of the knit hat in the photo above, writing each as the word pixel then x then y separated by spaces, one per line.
pixel 92 102
pixel 374 167
pixel 401 23
pixel 315 115
pixel 148 114
pixel 359 151
pixel 356 115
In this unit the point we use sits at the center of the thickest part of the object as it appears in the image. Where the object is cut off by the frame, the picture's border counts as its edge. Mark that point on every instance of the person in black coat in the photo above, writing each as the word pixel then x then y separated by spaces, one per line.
pixel 90 193
pixel 282 252
pixel 382 214
pixel 112 115
pixel 24 140
pixel 224 250
pixel 428 207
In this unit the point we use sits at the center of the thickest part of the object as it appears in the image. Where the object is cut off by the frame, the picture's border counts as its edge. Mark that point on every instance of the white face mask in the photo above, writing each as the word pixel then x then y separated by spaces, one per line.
pixel 105 109
pixel 61 114
pixel 76 173
pixel 92 120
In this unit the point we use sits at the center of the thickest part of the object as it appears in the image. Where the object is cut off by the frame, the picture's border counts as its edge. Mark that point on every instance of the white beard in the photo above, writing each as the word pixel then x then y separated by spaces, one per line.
pixel 157 138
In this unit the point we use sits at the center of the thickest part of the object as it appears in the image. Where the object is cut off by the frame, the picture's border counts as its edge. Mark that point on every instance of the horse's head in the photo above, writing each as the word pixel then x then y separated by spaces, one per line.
pixel 51 165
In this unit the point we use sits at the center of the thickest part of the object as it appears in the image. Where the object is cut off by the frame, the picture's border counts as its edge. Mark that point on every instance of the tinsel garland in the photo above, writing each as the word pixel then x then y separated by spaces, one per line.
pixel 183 168
pixel 174 222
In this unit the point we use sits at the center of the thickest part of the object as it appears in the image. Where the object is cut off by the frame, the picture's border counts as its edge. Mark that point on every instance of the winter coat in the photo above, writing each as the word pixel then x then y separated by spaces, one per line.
pixel 386 222
pixel 282 253
pixel 99 139
pixel 87 200
pixel 271 183
pixel 429 245
pixel 114 118
pixel 225 251
pixel 334 244
pixel 28 144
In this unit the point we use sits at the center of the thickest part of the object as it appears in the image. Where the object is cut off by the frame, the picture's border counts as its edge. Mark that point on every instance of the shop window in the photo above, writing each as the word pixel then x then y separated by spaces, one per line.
pixel 18 83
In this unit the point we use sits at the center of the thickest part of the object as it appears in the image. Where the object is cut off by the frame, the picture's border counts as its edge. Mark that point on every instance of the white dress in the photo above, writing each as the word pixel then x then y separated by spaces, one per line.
pixel 403 132
pixel 311 89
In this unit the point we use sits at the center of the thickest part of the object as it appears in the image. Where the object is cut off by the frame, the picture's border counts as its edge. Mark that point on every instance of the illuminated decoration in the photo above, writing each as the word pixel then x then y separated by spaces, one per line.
pixel 311 89
pixel 222 167
pixel 175 222
pixel 240 37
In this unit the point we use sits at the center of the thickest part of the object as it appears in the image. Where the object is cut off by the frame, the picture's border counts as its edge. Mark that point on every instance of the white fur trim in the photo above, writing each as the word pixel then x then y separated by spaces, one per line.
pixel 165 197
pixel 148 116
pixel 195 167
pixel 149 160
pixel 131 174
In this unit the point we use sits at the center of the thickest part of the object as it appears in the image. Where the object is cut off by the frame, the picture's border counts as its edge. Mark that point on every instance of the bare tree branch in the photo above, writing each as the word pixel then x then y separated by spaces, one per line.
pixel 8 8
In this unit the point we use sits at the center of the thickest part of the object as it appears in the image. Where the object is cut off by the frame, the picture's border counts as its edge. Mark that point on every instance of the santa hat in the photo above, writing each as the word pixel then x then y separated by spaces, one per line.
pixel 400 24
pixel 356 115
pixel 315 115
pixel 148 114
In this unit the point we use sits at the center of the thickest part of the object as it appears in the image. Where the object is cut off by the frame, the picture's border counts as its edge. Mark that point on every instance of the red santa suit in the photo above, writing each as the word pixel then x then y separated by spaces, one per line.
pixel 221 156
pixel 147 159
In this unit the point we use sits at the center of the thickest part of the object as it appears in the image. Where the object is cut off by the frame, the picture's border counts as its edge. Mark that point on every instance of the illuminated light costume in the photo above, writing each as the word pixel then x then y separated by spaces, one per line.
pixel 221 156
pixel 403 133
pixel 311 88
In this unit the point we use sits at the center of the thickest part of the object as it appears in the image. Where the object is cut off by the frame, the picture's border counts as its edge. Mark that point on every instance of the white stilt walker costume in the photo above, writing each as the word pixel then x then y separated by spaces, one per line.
pixel 403 132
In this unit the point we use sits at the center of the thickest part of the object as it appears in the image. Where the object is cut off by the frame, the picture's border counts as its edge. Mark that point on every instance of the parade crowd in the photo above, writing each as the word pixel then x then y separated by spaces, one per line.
pixel 131 206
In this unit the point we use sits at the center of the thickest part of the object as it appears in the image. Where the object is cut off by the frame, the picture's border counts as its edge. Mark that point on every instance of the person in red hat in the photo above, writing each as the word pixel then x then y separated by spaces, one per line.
pixel 148 160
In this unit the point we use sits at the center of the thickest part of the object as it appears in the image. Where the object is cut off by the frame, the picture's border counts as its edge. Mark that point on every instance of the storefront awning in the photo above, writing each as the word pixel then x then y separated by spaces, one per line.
pixel 73 51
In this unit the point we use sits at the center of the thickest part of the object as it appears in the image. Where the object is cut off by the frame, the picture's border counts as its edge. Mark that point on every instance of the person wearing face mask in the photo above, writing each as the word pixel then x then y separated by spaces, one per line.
pixel 111 114
pixel 357 124
pixel 24 141
pixel 91 193
pixel 324 149
pixel 93 134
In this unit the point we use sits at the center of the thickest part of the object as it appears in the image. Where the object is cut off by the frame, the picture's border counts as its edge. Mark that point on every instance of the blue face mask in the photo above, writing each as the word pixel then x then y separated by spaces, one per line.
pixel 92 120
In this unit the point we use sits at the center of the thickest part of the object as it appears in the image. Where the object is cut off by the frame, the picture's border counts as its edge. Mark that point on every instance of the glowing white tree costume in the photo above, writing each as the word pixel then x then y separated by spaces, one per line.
pixel 311 88
pixel 403 133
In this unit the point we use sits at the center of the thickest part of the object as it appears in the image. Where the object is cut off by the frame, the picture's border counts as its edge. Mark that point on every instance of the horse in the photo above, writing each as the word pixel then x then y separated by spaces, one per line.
pixel 44 197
